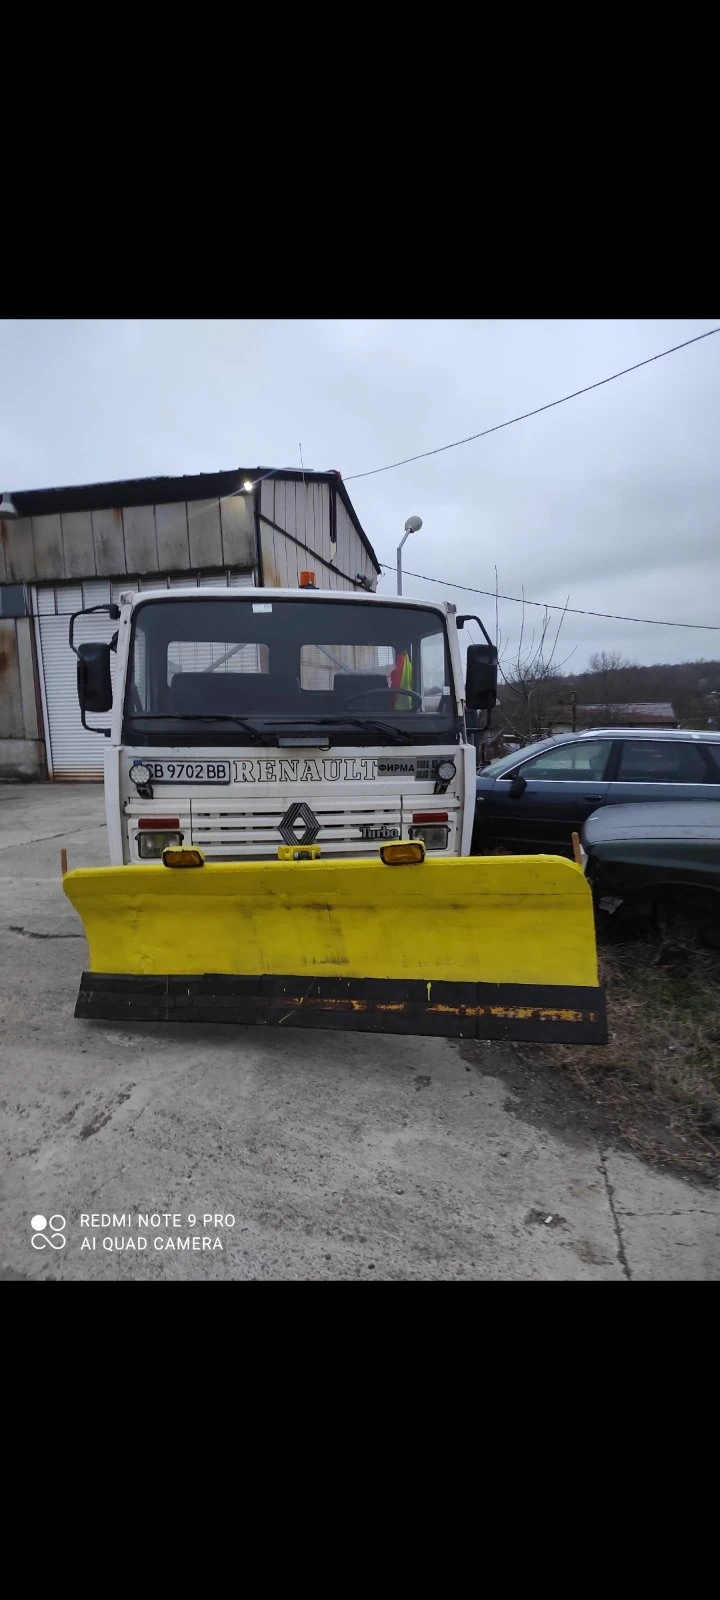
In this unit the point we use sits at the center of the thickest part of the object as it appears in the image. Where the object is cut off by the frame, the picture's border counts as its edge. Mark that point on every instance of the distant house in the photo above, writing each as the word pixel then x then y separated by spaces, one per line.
pixel 644 713
pixel 633 714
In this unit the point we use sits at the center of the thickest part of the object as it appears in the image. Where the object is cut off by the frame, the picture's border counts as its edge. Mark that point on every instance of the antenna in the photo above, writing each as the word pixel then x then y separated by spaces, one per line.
pixel 304 491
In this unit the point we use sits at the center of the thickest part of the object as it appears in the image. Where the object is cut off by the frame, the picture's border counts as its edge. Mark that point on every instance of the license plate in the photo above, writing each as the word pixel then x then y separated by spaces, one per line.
pixel 189 771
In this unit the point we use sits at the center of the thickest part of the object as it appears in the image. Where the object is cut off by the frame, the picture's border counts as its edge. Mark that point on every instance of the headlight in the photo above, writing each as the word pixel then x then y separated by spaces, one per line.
pixel 446 770
pixel 140 774
pixel 432 838
pixel 151 845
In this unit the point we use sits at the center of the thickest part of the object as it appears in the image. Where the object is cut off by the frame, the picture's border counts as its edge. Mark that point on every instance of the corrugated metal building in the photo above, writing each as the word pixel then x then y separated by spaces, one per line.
pixel 83 546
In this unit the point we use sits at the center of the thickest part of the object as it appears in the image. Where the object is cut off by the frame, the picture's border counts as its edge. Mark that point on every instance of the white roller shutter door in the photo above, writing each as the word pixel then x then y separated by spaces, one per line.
pixel 74 755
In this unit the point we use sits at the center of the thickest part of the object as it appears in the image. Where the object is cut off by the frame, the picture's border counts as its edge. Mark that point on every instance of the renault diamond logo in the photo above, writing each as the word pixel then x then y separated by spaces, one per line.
pixel 299 817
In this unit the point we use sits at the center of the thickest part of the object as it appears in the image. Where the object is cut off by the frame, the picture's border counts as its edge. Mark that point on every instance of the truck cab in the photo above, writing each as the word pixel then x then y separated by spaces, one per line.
pixel 242 721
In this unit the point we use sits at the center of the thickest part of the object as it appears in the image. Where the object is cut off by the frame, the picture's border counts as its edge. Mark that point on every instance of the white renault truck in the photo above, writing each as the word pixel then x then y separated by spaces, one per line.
pixel 240 721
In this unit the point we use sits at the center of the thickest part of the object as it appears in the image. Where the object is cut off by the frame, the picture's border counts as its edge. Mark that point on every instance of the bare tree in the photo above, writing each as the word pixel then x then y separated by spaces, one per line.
pixel 611 670
pixel 529 674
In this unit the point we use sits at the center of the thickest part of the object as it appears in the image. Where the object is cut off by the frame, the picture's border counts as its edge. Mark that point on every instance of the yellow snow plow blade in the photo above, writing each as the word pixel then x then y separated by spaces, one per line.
pixel 479 947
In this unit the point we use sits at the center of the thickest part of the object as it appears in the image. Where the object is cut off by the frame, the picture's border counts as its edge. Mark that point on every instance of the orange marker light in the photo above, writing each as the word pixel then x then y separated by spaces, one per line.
pixel 408 853
pixel 175 856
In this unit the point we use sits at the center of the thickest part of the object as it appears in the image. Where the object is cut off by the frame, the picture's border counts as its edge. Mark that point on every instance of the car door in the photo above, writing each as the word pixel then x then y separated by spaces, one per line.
pixel 664 769
pixel 563 784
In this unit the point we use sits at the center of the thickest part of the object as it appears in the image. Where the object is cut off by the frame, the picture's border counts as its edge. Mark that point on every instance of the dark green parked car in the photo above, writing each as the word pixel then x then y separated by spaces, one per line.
pixel 656 863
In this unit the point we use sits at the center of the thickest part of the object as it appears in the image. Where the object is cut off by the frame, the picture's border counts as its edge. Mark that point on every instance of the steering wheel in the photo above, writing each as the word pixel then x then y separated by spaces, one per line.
pixel 369 694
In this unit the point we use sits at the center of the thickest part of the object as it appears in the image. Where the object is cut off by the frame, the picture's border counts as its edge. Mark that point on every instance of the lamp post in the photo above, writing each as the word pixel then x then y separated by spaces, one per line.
pixel 413 525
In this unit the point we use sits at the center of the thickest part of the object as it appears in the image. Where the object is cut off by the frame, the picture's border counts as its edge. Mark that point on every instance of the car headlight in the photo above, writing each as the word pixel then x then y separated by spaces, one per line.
pixel 434 838
pixel 140 774
pixel 151 845
pixel 446 770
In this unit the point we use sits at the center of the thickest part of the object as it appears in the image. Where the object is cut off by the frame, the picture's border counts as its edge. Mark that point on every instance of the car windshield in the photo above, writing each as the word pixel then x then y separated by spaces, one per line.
pixel 374 671
pixel 495 769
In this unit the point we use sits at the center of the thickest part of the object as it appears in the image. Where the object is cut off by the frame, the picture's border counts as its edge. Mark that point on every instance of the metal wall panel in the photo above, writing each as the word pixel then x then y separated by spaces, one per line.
pixel 109 542
pixel 171 523
pixel 205 533
pixel 293 511
pixel 48 548
pixel 237 515
pixel 23 628
pixel 321 493
pixel 11 711
pixel 141 551
pixel 18 545
pixel 78 547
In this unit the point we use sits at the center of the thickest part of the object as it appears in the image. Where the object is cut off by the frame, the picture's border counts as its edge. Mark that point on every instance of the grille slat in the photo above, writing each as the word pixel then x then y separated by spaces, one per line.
pixel 225 832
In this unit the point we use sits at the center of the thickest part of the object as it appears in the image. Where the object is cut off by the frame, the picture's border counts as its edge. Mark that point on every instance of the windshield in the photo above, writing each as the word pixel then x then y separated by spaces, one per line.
pixel 370 671
pixel 495 769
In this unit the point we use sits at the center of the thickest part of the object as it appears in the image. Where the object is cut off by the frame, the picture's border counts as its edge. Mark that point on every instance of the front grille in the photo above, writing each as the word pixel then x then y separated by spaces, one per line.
pixel 229 834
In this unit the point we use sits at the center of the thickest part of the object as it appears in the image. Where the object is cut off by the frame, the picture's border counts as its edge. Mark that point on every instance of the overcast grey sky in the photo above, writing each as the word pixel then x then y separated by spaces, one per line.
pixel 612 499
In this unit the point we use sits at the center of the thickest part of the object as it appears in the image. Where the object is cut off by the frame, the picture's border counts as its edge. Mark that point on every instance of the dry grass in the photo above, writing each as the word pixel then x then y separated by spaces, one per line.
pixel 656 1085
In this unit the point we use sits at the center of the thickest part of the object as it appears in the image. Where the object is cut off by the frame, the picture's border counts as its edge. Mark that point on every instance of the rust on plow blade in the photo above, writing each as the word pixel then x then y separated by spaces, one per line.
pixel 549 1012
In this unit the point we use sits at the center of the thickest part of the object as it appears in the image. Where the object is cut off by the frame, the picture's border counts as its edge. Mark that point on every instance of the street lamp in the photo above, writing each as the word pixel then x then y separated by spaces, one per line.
pixel 413 525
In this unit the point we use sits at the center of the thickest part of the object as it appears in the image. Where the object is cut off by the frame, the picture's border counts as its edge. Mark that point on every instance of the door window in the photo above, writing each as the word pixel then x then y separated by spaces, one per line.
pixel 584 762
pixel 661 761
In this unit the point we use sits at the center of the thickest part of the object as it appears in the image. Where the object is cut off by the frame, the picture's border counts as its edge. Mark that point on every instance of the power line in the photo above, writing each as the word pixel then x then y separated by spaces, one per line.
pixel 536 412
pixel 549 605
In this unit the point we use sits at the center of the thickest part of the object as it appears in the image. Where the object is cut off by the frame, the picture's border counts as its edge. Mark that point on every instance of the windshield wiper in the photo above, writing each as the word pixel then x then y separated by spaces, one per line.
pixel 195 716
pixel 282 724
pixel 397 735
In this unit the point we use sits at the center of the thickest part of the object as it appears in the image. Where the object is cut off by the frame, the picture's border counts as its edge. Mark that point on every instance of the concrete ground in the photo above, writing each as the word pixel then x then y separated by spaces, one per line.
pixel 312 1155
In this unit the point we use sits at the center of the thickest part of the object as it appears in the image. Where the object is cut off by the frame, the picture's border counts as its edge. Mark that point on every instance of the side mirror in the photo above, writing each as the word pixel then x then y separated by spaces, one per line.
pixel 94 684
pixel 481 675
pixel 518 786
